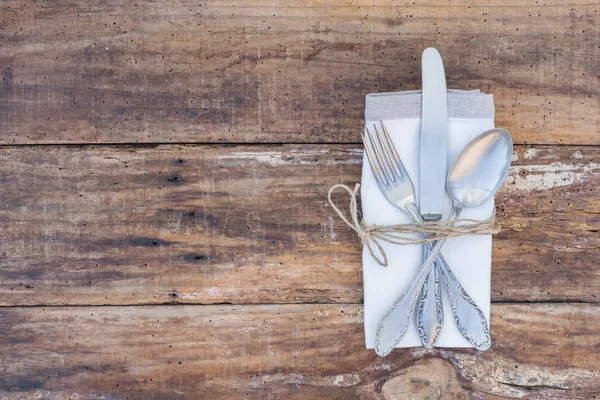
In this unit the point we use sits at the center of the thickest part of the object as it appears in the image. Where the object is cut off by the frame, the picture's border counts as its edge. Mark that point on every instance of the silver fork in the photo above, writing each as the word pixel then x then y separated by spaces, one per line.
pixel 429 313
pixel 395 183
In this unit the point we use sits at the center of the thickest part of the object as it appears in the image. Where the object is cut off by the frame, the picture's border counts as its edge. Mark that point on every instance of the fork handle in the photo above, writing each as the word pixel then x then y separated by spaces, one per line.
pixel 394 323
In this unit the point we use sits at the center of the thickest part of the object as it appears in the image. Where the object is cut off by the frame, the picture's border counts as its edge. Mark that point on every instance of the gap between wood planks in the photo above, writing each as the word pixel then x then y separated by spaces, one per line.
pixel 171 304
pixel 231 144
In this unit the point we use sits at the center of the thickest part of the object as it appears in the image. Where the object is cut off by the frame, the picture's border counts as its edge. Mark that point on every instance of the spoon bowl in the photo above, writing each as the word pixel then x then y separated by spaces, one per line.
pixel 480 168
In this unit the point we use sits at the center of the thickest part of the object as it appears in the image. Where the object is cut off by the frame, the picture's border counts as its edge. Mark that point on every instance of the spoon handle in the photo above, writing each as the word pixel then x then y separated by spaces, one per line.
pixel 469 318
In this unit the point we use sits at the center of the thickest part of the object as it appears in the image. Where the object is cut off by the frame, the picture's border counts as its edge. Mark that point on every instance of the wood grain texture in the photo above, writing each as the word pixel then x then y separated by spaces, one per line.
pixel 251 224
pixel 273 71
pixel 96 240
pixel 287 351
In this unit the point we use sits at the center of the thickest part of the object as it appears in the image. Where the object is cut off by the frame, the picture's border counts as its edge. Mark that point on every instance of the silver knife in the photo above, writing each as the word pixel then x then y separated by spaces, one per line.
pixel 434 136
pixel 432 184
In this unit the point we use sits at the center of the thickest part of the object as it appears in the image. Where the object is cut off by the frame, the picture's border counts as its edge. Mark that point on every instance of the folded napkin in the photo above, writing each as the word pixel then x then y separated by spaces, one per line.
pixel 470 113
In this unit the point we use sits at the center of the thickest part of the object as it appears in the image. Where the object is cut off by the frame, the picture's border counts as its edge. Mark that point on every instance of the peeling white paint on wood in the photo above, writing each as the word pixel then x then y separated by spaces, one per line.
pixel 527 178
pixel 342 380
pixel 279 158
pixel 530 153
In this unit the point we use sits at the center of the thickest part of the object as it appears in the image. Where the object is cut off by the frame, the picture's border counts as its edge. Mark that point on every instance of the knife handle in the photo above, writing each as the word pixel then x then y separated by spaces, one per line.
pixel 429 311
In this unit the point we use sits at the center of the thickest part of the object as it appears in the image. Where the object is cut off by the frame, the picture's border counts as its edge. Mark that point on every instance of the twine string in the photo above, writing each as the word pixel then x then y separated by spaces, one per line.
pixel 410 233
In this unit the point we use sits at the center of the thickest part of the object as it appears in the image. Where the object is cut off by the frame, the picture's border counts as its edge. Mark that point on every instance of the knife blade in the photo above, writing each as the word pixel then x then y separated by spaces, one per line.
pixel 434 136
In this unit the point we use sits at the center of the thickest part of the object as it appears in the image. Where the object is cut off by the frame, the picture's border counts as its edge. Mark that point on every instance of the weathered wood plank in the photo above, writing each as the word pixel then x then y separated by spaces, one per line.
pixel 279 351
pixel 274 71
pixel 251 224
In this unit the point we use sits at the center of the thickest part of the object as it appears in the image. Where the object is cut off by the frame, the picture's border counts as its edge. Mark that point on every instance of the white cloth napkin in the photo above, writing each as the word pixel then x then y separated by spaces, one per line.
pixel 470 113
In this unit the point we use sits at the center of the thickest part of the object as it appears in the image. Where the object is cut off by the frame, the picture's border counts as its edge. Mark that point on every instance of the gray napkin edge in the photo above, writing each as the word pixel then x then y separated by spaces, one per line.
pixel 468 104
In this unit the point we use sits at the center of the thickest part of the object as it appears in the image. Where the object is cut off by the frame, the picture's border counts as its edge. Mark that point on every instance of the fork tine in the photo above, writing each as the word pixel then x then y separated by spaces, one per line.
pixel 392 166
pixel 382 164
pixel 398 164
pixel 380 178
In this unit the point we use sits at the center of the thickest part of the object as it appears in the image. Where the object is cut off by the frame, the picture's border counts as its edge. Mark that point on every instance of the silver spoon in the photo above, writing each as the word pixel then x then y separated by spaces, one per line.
pixel 476 175
pixel 473 179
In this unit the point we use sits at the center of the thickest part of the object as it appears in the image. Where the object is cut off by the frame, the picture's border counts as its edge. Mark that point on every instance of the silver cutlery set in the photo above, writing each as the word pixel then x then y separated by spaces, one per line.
pixel 472 180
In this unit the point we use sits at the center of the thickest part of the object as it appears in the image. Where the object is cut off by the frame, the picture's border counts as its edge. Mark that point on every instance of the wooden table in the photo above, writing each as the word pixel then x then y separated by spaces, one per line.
pixel 164 169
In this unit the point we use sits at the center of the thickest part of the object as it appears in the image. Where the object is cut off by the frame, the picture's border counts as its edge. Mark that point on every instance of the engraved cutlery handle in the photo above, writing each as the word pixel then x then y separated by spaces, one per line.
pixel 469 319
pixel 435 251
pixel 429 312
pixel 395 321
